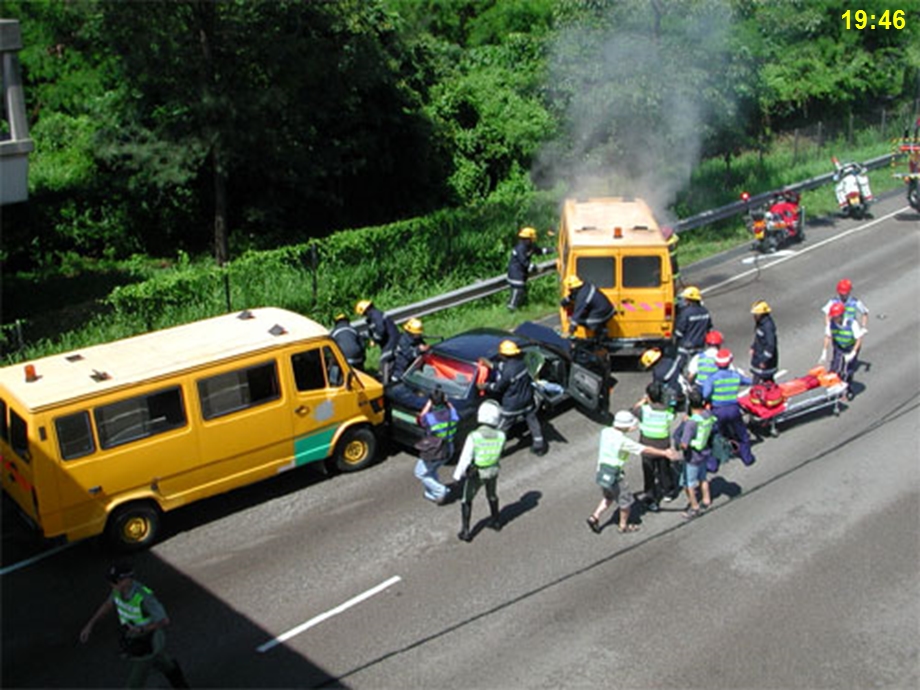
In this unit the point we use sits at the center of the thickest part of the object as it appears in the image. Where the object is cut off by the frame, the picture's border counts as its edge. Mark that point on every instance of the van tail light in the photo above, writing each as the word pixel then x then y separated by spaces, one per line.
pixel 668 310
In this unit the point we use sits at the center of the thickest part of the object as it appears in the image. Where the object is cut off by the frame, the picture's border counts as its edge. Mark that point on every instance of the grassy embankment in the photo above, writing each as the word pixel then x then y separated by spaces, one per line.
pixel 396 265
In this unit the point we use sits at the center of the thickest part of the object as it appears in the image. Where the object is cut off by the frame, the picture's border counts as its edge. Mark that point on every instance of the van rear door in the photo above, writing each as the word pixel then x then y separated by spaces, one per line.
pixel 16 457
pixel 645 305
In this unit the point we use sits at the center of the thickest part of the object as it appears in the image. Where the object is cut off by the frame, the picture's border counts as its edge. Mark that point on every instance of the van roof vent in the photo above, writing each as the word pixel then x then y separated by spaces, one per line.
pixel 277 330
pixel 100 375
pixel 74 358
pixel 245 315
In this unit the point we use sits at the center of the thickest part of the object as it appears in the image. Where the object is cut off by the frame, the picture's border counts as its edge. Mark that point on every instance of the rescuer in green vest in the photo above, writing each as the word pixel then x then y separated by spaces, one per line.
pixel 479 464
pixel 142 620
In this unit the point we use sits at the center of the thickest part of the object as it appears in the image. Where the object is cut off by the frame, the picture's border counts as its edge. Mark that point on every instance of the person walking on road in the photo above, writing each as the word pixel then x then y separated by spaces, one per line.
pixel 521 265
pixel 765 348
pixel 439 420
pixel 853 306
pixel 615 449
pixel 384 333
pixel 655 419
pixel 513 384
pixel 479 465
pixel 692 324
pixel 694 441
pixel 721 390
pixel 142 636
pixel 846 336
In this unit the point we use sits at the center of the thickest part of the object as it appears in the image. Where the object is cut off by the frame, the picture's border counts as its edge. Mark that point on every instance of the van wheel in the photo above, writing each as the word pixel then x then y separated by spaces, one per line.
pixel 133 526
pixel 356 449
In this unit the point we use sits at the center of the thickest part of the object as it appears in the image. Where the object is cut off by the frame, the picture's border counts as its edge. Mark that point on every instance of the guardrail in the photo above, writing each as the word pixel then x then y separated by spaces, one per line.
pixel 491 286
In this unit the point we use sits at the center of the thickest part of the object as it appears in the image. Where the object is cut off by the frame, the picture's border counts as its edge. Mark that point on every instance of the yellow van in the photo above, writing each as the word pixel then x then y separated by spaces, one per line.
pixel 108 438
pixel 616 244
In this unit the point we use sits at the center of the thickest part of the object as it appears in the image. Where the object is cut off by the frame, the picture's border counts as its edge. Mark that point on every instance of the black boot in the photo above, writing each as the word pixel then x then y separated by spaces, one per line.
pixel 465 511
pixel 496 522
pixel 176 678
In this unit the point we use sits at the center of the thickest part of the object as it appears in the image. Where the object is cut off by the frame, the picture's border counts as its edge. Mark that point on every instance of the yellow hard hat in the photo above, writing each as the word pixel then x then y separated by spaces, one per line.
pixel 572 282
pixel 413 326
pixel 649 357
pixel 691 292
pixel 527 233
pixel 508 348
pixel 760 307
pixel 362 307
pixel 340 316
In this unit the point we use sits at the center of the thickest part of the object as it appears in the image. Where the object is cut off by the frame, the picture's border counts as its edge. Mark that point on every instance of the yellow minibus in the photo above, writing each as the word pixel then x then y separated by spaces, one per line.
pixel 105 439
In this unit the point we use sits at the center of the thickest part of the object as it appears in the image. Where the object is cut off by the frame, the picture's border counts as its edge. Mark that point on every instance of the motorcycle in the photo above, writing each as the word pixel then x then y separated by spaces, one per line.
pixel 913 190
pixel 851 185
pixel 777 223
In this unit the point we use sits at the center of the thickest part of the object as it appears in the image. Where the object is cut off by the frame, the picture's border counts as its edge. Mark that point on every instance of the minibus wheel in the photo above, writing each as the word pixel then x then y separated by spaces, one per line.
pixel 356 449
pixel 133 526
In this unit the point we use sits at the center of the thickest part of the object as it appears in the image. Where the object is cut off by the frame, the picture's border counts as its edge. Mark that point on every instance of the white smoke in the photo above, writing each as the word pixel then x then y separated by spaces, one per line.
pixel 635 105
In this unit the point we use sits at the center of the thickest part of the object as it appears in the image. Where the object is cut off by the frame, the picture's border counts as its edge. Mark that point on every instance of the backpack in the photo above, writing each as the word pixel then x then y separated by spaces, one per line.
pixel 768 394
pixel 721 447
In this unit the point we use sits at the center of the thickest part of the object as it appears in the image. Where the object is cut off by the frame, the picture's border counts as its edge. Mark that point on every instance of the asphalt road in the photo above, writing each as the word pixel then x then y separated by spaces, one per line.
pixel 803 575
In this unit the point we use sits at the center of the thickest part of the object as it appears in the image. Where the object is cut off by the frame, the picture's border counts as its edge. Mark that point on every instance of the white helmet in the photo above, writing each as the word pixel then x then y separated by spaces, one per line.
pixel 624 419
pixel 489 413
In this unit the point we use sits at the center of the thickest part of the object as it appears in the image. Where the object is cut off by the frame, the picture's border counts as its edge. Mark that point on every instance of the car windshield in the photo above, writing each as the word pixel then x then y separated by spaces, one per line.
pixel 455 377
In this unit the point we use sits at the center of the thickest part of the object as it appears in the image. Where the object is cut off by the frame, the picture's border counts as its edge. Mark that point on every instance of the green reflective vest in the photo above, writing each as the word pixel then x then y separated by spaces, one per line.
pixel 725 387
pixel 704 425
pixel 487 446
pixel 611 451
pixel 655 422
pixel 705 367
pixel 843 335
pixel 130 611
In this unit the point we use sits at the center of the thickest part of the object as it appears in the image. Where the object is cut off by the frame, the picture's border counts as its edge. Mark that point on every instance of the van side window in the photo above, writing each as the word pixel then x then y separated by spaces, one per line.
pixel 333 368
pixel 19 436
pixel 600 270
pixel 641 271
pixel 238 390
pixel 139 417
pixel 308 370
pixel 74 435
pixel 4 425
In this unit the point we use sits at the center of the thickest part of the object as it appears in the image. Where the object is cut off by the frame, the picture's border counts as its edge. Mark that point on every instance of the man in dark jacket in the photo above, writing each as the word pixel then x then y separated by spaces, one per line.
pixel 764 349
pixel 383 332
pixel 666 373
pixel 350 342
pixel 590 307
pixel 521 265
pixel 692 324
pixel 513 385
pixel 410 345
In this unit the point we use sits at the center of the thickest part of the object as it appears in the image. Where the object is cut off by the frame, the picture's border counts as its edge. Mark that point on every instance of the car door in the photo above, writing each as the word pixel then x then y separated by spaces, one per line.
pixel 589 380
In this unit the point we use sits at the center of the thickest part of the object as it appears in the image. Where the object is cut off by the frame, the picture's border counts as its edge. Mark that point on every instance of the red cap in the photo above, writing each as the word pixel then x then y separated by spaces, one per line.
pixel 713 338
pixel 844 287
pixel 723 358
pixel 836 309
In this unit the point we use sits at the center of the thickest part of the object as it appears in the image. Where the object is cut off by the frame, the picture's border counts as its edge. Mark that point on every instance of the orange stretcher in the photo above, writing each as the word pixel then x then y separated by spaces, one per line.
pixel 819 389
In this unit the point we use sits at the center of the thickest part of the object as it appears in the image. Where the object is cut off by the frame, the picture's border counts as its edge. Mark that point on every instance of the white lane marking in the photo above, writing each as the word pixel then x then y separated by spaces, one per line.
pixel 805 250
pixel 35 559
pixel 329 614
pixel 766 257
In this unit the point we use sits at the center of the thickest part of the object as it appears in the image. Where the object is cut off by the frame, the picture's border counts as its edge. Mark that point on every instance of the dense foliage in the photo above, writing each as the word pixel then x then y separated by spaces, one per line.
pixel 217 128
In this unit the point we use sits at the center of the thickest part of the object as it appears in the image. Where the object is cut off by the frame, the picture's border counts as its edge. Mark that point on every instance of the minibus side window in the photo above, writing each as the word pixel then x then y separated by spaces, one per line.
pixel 600 270
pixel 4 425
pixel 238 390
pixel 75 436
pixel 139 417
pixel 308 370
pixel 333 368
pixel 641 271
pixel 19 436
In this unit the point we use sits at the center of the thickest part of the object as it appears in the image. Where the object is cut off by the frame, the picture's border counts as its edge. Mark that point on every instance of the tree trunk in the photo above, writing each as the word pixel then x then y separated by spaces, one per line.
pixel 221 248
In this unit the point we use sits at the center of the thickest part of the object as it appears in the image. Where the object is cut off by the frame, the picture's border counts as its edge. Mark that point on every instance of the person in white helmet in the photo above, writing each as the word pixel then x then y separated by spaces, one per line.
pixel 615 449
pixel 479 465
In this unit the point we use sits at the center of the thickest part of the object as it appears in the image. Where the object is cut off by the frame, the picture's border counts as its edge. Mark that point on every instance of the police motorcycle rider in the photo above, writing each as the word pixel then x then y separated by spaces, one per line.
pixel 512 383
pixel 479 465
pixel 590 307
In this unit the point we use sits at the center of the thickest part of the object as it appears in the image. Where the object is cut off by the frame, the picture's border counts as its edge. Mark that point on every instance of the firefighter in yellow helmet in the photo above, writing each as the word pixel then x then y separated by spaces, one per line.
pixel 521 265
pixel 350 342
pixel 589 307
pixel 409 347
pixel 692 324
pixel 765 348
pixel 383 332
pixel 511 382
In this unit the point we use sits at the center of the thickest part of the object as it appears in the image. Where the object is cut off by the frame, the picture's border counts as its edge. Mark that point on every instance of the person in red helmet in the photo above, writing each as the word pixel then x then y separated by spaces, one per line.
pixel 855 309
pixel 703 364
pixel 846 336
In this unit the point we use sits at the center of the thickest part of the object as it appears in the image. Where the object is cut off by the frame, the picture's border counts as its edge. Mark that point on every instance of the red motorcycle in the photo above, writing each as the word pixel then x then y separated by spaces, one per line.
pixel 779 222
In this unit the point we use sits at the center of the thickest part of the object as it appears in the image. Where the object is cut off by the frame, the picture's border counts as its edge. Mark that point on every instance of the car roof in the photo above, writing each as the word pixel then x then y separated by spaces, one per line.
pixel 484 342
